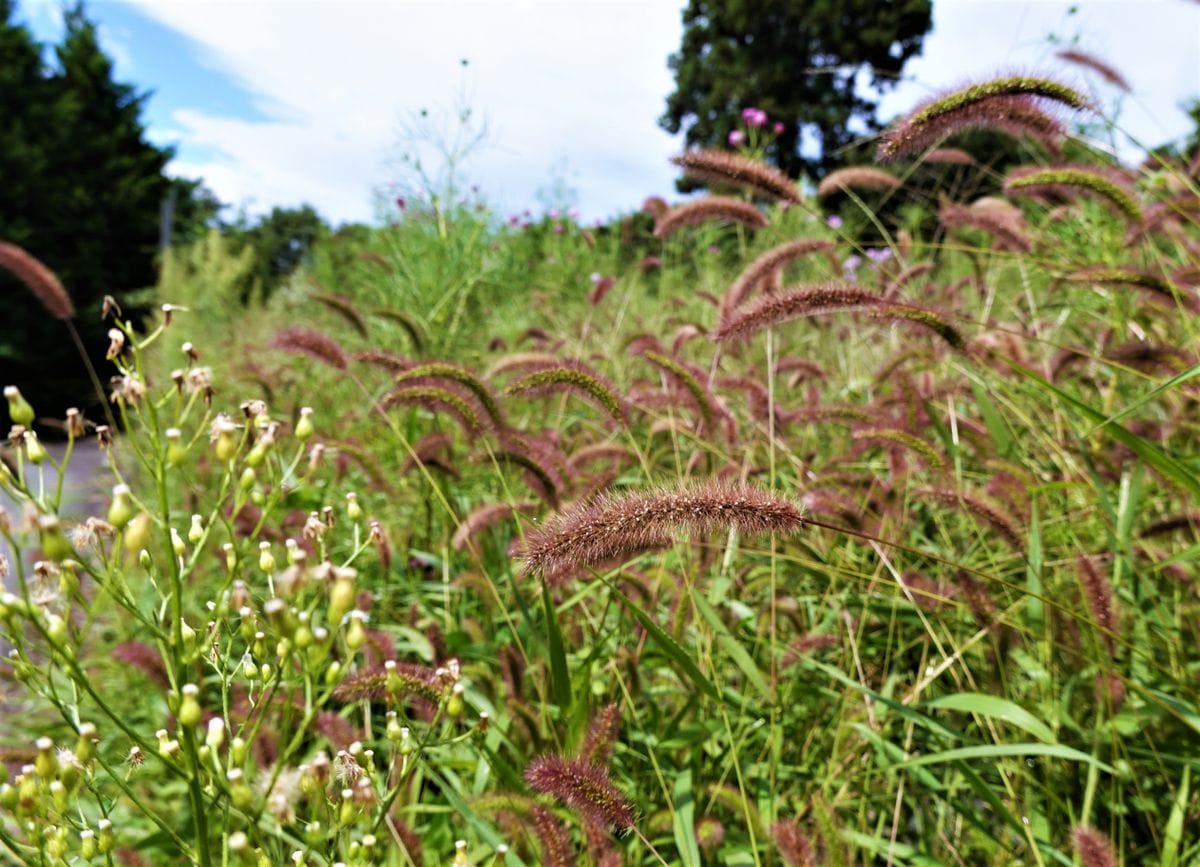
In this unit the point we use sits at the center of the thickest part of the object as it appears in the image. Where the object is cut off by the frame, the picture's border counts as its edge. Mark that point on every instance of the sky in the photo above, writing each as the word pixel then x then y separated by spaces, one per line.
pixel 284 102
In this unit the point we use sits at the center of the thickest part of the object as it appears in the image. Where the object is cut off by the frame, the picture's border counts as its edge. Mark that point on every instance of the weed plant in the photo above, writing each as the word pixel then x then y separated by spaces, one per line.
pixel 712 536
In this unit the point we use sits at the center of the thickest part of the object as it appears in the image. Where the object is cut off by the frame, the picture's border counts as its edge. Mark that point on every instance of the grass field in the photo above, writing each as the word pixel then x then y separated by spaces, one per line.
pixel 851 527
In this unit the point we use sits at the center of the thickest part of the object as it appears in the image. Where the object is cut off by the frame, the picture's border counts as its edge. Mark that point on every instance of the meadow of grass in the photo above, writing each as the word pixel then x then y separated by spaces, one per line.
pixel 849 528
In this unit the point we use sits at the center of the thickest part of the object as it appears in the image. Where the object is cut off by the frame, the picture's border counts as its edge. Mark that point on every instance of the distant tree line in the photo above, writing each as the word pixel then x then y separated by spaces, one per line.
pixel 82 189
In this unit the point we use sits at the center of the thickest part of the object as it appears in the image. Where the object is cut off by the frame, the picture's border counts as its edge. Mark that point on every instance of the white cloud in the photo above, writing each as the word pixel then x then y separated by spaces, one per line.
pixel 583 80
pixel 1155 44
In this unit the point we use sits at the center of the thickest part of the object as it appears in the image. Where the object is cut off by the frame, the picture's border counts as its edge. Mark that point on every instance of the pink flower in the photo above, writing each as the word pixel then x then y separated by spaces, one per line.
pixel 834 222
pixel 552 213
pixel 558 228
pixel 754 117
pixel 573 213
pixel 737 138
pixel 779 127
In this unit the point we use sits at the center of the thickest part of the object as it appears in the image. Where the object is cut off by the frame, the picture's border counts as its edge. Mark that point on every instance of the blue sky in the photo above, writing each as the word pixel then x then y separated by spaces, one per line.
pixel 279 102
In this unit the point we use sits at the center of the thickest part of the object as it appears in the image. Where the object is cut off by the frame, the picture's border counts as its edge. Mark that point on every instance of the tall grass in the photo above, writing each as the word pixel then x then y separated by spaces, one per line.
pixel 881 555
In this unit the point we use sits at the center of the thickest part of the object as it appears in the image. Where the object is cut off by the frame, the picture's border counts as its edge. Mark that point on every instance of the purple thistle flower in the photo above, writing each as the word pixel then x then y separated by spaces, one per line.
pixel 552 213
pixel 736 138
pixel 754 117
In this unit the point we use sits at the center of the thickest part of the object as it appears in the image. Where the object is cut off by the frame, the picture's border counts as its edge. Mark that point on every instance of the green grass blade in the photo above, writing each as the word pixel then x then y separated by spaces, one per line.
pixel 667 644
pixel 560 674
pixel 1173 834
pixel 1171 468
pixel 685 820
pixel 732 647
pixel 998 751
pixel 995 707
pixel 1177 379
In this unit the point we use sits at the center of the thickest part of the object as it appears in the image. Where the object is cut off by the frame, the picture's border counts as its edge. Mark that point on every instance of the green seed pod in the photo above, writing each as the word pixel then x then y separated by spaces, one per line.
pixel 120 510
pixel 189 707
pixel 137 534
pixel 341 598
pixel 177 543
pixel 46 762
pixel 87 844
pixel 59 796
pixel 19 409
pixel 8 797
pixel 237 751
pixel 333 673
pixel 54 543
pixel 246 480
pixel 356 634
pixel 266 560
pixel 226 445
pixel 455 705
pixel 85 746
pixel 304 427
pixel 105 841
pixel 34 450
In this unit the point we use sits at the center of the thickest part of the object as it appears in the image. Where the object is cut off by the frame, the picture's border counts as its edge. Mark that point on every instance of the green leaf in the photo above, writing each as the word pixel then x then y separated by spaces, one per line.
pixel 996 708
pixel 732 647
pixel 1169 467
pixel 1173 834
pixel 560 674
pixel 685 820
pixel 992 419
pixel 666 643
pixel 1177 379
pixel 999 751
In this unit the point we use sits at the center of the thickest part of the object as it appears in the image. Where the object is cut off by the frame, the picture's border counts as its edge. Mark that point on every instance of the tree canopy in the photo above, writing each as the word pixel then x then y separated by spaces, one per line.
pixel 82 191
pixel 797 60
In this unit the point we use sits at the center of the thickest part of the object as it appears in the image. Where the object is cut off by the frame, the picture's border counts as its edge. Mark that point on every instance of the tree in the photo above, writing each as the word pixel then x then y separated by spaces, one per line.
pixel 799 61
pixel 82 191
pixel 282 241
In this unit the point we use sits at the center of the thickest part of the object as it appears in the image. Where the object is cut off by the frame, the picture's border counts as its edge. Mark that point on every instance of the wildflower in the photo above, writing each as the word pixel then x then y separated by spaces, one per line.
pixel 736 138
pixel 834 222
pixel 778 128
pixel 754 117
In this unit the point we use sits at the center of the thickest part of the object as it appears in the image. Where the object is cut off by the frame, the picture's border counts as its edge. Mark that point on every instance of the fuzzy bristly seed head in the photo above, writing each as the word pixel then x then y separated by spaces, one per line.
pixel 582 786
pixel 38 279
pixel 611 526
pixel 305 341
pixel 857 178
pixel 710 208
pixel 794 304
pixel 734 169
pixel 1094 848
